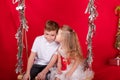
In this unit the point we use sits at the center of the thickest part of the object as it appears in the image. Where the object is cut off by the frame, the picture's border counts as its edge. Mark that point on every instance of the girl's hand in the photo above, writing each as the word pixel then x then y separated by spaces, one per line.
pixel 68 75
pixel 59 68
pixel 59 71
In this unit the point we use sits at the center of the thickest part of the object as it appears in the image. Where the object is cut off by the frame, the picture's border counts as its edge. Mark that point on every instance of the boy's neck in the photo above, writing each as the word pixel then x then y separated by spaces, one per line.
pixel 50 41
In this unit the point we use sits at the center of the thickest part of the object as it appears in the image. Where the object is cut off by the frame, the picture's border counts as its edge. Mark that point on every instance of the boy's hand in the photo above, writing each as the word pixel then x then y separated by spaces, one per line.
pixel 41 76
pixel 26 77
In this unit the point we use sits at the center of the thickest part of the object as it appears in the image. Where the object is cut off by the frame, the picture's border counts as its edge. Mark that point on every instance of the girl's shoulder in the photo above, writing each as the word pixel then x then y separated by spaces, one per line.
pixel 62 52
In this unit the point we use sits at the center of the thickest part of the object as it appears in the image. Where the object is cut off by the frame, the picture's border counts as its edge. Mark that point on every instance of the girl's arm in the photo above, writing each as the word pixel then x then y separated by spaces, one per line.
pixel 59 64
pixel 75 65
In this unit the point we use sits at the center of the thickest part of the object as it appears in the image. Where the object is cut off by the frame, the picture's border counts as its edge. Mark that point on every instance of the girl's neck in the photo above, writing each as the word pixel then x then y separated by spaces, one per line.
pixel 63 51
pixel 63 47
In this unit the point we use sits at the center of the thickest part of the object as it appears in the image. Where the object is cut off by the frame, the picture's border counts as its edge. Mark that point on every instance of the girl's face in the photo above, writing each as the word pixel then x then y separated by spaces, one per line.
pixel 59 36
pixel 50 35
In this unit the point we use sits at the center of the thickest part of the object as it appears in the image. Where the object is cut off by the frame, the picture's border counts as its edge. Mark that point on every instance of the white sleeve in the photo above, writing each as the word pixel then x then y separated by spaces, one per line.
pixel 56 52
pixel 34 46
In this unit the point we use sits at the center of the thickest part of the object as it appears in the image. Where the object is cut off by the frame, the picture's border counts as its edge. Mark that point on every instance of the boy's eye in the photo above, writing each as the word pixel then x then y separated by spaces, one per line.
pixel 52 35
pixel 47 34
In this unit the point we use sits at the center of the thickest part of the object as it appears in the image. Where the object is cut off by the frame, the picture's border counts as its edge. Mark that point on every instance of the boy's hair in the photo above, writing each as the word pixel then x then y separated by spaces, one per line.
pixel 51 26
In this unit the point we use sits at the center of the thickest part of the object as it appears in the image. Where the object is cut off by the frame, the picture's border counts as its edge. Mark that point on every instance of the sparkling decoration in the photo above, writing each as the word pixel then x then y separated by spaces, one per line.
pixel 15 1
pixel 91 10
pixel 21 34
pixel 117 43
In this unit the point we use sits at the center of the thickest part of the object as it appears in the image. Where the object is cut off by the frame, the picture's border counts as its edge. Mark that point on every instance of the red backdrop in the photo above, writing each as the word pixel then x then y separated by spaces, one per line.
pixel 69 12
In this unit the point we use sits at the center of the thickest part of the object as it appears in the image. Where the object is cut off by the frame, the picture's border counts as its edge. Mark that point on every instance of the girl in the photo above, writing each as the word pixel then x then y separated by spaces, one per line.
pixel 70 59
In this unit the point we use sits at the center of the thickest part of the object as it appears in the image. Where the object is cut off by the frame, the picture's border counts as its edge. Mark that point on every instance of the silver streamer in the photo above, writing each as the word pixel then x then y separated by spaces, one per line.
pixel 15 1
pixel 91 10
pixel 20 33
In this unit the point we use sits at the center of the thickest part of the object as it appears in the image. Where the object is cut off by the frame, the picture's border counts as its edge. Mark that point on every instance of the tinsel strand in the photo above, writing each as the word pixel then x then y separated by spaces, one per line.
pixel 91 10
pixel 21 33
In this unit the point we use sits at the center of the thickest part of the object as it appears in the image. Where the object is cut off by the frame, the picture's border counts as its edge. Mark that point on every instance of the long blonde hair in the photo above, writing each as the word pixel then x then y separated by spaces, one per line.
pixel 71 42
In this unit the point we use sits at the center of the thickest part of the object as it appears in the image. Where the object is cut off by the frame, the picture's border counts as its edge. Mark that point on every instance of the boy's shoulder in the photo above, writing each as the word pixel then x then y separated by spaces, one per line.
pixel 40 37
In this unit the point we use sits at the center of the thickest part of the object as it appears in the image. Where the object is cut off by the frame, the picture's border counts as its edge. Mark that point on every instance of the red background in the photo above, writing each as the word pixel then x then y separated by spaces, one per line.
pixel 69 12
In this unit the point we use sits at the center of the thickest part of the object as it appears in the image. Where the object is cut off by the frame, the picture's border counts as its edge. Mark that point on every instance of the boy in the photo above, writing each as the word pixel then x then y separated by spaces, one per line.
pixel 43 55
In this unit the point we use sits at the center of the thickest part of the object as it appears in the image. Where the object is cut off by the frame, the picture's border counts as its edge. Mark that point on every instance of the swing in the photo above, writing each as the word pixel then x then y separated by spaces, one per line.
pixel 91 9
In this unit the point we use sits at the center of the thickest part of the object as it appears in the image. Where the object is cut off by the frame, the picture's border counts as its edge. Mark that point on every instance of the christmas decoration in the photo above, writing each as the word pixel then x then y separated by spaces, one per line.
pixel 117 43
pixel 21 33
pixel 91 10
pixel 116 61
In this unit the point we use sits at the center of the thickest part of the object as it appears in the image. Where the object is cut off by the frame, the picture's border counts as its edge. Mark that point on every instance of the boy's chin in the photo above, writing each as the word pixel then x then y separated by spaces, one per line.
pixel 57 41
pixel 50 41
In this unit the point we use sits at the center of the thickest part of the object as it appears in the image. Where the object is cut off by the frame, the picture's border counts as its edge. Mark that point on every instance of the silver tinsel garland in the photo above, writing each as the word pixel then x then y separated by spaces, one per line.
pixel 21 33
pixel 91 10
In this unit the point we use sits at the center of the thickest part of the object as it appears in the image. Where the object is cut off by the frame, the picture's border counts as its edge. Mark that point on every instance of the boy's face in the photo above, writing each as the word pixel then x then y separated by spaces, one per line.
pixel 50 35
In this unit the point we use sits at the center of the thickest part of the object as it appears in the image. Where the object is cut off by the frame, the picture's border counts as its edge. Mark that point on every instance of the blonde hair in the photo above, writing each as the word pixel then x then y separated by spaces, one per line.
pixel 71 42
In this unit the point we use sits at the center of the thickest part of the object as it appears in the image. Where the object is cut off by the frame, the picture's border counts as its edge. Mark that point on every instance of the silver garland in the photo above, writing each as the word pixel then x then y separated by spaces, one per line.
pixel 91 10
pixel 20 33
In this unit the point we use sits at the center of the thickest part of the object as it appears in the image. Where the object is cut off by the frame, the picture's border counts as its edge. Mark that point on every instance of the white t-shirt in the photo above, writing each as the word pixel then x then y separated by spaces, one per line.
pixel 44 50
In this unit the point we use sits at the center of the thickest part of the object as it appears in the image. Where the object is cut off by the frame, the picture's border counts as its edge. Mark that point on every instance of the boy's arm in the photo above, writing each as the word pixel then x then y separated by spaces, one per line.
pixel 51 63
pixel 29 65
pixel 42 74
pixel 30 61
